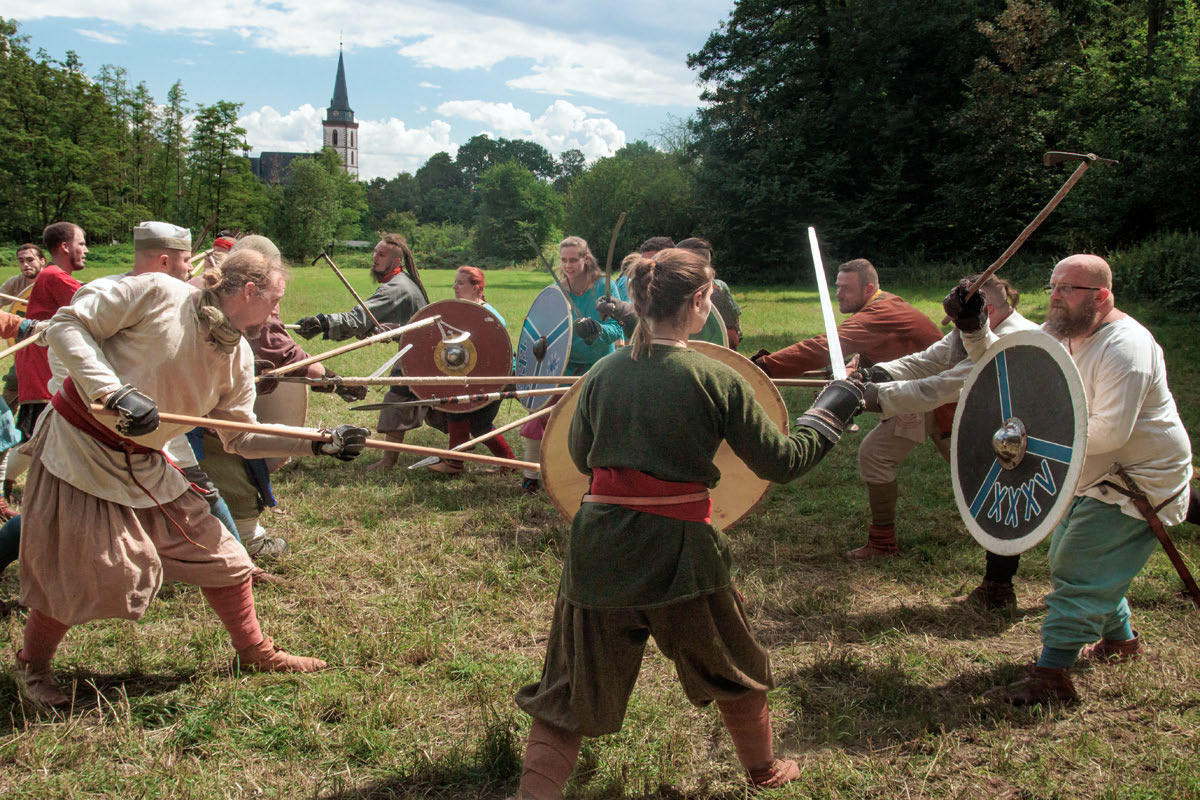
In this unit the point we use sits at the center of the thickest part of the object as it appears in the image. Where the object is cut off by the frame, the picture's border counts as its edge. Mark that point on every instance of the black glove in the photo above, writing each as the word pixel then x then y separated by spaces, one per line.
pixel 334 379
pixel 345 444
pixel 137 414
pixel 968 314
pixel 311 326
pixel 757 359
pixel 199 478
pixel 267 385
pixel 620 310
pixel 834 408
pixel 871 375
pixel 587 329
pixel 871 399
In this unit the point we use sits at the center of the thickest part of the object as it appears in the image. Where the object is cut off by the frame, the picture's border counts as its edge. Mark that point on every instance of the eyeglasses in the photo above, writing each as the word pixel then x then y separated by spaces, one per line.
pixel 1065 289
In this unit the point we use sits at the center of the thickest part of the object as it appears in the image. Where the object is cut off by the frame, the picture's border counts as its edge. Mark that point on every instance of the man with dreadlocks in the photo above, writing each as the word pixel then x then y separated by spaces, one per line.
pixel 108 518
pixel 399 296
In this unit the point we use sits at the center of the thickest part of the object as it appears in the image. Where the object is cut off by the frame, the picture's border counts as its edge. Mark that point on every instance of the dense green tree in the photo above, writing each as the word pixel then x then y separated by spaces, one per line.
pixel 571 164
pixel 217 144
pixel 655 188
pixel 386 198
pixel 513 204
pixel 482 152
pixel 320 204
pixel 445 193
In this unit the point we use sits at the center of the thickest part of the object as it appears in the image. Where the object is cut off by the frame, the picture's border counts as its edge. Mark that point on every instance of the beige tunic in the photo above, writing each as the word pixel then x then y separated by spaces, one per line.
pixel 144 331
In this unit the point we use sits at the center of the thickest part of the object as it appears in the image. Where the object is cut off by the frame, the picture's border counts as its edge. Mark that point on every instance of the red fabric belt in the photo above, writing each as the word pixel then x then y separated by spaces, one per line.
pixel 685 500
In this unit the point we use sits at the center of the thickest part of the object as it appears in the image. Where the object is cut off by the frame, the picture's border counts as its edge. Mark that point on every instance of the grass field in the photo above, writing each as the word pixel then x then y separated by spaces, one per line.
pixel 430 597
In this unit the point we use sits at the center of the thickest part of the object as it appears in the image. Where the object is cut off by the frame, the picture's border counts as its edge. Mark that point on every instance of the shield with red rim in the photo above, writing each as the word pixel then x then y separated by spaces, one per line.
pixel 439 349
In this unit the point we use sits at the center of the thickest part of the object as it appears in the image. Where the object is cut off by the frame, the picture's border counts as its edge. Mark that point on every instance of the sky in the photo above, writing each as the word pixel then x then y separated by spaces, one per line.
pixel 422 75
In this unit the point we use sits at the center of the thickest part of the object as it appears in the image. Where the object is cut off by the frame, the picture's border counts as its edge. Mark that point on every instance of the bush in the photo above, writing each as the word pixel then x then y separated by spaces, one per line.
pixel 1163 268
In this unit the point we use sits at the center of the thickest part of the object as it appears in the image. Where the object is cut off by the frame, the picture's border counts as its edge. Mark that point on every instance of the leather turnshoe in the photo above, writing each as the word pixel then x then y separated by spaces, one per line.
pixel 1114 651
pixel 881 543
pixel 38 686
pixel 1042 686
pixel 990 596
pixel 266 657
pixel 772 777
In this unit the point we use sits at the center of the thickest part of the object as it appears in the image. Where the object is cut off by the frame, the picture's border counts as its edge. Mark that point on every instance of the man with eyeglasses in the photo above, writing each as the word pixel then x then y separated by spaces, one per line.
pixel 1104 541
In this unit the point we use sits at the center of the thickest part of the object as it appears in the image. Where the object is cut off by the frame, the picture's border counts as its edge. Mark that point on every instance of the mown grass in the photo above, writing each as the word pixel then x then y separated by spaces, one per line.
pixel 430 598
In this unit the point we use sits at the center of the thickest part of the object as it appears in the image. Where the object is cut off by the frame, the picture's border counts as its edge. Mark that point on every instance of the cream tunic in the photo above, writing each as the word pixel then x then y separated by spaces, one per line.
pixel 1132 419
pixel 933 377
pixel 144 331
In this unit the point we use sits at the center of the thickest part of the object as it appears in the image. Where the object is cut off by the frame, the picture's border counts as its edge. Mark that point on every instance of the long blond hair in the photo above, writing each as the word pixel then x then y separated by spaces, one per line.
pixel 661 288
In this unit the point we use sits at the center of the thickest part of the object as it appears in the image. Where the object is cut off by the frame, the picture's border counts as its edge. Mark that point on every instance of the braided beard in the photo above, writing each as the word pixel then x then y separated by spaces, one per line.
pixel 220 332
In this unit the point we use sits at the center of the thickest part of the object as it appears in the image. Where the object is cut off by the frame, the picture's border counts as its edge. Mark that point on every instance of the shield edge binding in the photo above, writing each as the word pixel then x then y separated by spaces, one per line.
pixel 534 403
pixel 420 392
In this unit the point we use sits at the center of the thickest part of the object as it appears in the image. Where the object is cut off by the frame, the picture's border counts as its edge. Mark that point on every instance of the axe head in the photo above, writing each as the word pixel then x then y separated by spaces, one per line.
pixel 1058 156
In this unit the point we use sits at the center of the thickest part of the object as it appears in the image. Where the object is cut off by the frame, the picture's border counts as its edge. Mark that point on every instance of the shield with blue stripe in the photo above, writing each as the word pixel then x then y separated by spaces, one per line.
pixel 1026 376
pixel 545 342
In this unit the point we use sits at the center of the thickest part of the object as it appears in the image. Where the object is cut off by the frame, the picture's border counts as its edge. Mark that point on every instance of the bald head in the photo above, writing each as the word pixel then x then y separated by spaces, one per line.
pixel 1094 270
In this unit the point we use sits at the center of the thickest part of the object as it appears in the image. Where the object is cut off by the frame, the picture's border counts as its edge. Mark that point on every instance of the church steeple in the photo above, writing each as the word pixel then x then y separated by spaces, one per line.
pixel 340 129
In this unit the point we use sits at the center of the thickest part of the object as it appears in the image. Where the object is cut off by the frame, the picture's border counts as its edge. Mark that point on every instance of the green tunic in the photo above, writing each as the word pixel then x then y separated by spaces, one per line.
pixel 665 414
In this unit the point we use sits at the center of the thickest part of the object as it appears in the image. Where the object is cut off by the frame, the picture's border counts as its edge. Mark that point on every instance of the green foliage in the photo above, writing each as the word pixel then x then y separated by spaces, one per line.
pixel 434 246
pixel 322 203
pixel 513 205
pixel 1161 268
pixel 655 188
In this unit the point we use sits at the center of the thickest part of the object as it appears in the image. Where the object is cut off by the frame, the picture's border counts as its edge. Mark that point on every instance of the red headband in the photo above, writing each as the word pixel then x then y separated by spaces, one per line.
pixel 222 243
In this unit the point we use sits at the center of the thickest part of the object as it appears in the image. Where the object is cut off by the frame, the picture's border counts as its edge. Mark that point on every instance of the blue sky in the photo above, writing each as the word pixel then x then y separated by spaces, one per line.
pixel 422 76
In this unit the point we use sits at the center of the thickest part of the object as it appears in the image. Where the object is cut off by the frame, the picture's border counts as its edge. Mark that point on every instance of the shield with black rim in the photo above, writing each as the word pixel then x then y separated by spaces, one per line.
pixel 1020 432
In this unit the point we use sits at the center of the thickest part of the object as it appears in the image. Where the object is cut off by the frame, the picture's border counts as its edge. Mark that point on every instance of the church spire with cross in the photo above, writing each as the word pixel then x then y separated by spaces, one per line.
pixel 340 129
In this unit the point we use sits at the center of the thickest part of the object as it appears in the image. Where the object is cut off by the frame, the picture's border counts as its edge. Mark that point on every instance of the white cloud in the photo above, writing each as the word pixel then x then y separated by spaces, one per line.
pixel 561 126
pixel 428 85
pixel 385 147
pixel 98 36
pixel 433 33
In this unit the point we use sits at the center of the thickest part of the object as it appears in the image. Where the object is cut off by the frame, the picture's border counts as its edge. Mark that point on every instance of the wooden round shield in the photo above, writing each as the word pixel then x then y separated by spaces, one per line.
pixel 287 405
pixel 713 330
pixel 545 342
pixel 19 308
pixel 1020 432
pixel 739 491
pixel 436 352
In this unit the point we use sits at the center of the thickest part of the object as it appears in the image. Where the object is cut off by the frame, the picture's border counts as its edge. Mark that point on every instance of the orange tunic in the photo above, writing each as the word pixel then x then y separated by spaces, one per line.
pixel 884 329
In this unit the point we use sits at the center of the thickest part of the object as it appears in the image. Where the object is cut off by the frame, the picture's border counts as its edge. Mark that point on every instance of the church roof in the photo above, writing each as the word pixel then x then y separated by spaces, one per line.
pixel 341 100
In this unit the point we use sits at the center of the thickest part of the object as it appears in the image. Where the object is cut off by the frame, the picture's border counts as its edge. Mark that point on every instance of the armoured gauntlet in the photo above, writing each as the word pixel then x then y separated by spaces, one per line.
pixel 834 408
pixel 345 443
pixel 136 413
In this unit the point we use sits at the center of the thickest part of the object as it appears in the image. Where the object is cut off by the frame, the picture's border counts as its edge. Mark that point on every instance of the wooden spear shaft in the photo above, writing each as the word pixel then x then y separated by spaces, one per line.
pixel 346 283
pixel 316 436
pixel 465 398
pixel 494 432
pixel 464 380
pixel 9 298
pixel 346 348
pixel 19 346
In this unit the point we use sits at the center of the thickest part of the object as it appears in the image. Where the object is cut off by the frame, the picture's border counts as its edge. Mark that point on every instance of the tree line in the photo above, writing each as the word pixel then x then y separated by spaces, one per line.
pixel 906 131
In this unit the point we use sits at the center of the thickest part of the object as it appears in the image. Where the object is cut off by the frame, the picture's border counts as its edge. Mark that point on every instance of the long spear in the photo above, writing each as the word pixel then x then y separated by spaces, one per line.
pixel 311 435
pixel 460 399
pixel 467 445
pixel 346 348
pixel 357 298
pixel 465 380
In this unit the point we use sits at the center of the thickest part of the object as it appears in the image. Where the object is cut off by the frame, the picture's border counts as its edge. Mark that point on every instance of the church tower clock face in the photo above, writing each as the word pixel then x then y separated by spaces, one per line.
pixel 339 128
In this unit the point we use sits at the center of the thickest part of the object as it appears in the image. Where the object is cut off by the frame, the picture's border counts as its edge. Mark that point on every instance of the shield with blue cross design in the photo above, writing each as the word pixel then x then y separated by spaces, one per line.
pixel 1020 432
pixel 545 342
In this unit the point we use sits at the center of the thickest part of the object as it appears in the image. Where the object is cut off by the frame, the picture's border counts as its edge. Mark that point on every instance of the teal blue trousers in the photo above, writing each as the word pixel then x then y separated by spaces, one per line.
pixel 1095 552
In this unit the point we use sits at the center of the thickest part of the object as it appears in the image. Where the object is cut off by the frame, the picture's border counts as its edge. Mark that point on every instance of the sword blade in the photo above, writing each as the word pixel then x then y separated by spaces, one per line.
pixel 387 365
pixel 836 362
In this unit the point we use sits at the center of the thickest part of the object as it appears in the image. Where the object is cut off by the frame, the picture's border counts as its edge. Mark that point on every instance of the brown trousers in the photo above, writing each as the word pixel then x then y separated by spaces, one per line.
pixel 594 655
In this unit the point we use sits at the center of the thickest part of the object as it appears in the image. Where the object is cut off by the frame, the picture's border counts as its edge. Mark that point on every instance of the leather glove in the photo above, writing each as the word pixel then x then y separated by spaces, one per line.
pixel 199 478
pixel 587 329
pixel 346 442
pixel 351 394
pixel 834 408
pixel 620 310
pixel 137 414
pixel 757 359
pixel 326 388
pixel 871 399
pixel 267 385
pixel 871 375
pixel 969 315
pixel 311 326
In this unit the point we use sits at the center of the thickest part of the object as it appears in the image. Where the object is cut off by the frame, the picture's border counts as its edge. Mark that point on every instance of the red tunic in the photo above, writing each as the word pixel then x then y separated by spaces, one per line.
pixel 52 289
pixel 883 329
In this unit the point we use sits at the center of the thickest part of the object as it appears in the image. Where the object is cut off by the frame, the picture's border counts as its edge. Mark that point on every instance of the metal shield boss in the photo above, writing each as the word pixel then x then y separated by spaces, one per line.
pixel 439 349
pixel 1020 435
pixel 545 342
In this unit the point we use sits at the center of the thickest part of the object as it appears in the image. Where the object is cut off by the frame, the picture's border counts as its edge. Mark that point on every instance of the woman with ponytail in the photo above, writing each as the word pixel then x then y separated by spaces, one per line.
pixel 592 337
pixel 644 558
